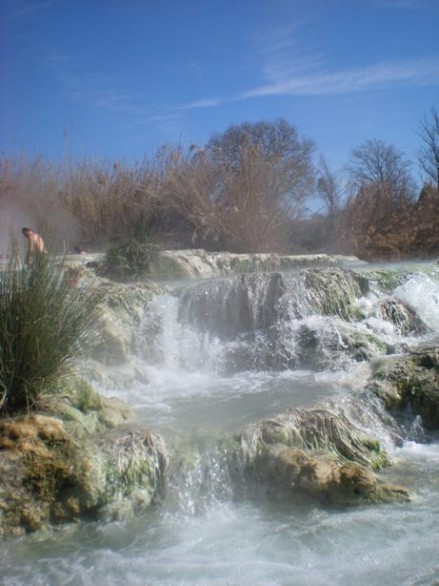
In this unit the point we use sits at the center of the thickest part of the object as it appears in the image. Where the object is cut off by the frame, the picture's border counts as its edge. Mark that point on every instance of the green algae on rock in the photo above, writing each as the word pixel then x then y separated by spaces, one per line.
pixel 321 476
pixel 76 465
pixel 410 382
pixel 198 263
pixel 314 451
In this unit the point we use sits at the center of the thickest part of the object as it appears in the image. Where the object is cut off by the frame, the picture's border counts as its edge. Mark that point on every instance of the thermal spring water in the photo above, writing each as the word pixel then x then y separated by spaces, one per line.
pixel 217 355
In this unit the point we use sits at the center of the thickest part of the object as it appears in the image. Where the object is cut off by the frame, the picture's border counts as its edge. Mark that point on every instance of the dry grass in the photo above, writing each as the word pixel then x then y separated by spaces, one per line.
pixel 188 198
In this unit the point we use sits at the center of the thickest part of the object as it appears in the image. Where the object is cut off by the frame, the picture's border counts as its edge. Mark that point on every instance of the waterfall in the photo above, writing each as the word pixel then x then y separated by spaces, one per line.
pixel 221 352
pixel 312 319
pixel 421 293
pixel 229 360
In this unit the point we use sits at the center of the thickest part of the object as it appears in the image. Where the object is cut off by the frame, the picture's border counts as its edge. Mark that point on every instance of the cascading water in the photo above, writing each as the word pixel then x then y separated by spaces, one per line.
pixel 221 354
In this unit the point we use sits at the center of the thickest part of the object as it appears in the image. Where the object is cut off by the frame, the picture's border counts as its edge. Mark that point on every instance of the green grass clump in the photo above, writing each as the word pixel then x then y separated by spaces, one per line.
pixel 130 257
pixel 45 324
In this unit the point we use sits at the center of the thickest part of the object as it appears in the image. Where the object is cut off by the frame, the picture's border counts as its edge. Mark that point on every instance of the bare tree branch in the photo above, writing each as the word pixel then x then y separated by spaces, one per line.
pixel 382 166
pixel 428 154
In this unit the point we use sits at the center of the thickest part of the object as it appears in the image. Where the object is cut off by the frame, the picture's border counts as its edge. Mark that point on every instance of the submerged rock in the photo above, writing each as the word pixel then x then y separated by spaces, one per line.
pixel 278 321
pixel 229 307
pixel 315 451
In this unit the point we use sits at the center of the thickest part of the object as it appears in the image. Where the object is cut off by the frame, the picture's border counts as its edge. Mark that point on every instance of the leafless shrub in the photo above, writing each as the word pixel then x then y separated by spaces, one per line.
pixel 374 225
pixel 255 216
pixel 108 199
pixel 30 196
pixel 184 183
pixel 245 191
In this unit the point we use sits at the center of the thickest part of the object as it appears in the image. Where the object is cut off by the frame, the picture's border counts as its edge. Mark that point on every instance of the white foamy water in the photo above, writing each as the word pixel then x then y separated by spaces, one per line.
pixel 239 544
pixel 183 390
pixel 421 293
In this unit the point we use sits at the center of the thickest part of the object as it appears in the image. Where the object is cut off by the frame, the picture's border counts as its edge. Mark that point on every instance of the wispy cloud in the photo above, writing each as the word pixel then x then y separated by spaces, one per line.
pixel 292 66
pixel 18 9
pixel 62 58
pixel 111 94
pixel 202 103
pixel 103 92
pixel 404 4
pixel 111 99
pixel 387 74
pixel 283 54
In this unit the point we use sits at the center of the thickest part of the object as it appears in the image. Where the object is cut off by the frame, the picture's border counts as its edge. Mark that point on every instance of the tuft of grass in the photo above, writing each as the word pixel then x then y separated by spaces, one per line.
pixel 132 256
pixel 45 325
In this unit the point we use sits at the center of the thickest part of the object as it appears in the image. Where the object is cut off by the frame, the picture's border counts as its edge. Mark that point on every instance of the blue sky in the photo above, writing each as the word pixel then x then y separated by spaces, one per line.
pixel 117 78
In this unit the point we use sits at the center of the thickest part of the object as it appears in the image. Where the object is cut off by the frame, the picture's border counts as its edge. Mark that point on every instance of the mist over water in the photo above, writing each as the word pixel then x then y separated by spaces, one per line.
pixel 205 368
pixel 53 221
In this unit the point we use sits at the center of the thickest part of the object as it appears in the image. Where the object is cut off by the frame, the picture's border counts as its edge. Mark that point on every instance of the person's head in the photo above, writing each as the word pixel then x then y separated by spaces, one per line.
pixel 26 232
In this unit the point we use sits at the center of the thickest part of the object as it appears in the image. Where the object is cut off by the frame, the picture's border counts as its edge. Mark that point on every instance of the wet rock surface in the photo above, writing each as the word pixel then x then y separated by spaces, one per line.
pixel 57 469
pixel 318 452
pixel 409 385
pixel 190 264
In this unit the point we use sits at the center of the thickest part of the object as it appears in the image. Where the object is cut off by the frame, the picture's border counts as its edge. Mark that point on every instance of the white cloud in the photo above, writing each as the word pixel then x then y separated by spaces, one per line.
pixel 203 103
pixel 284 55
pixel 18 9
pixel 60 58
pixel 103 92
pixel 403 4
pixel 382 75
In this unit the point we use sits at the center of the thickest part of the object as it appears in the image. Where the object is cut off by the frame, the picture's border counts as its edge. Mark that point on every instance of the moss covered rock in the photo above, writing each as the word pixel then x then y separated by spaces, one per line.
pixel 57 469
pixel 335 291
pixel 124 306
pixel 323 477
pixel 190 264
pixel 314 451
pixel 410 384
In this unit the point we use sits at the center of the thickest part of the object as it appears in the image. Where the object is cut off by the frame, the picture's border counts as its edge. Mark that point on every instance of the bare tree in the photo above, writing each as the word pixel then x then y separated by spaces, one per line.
pixel 428 154
pixel 266 176
pixel 254 215
pixel 384 168
pixel 276 146
pixel 241 191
